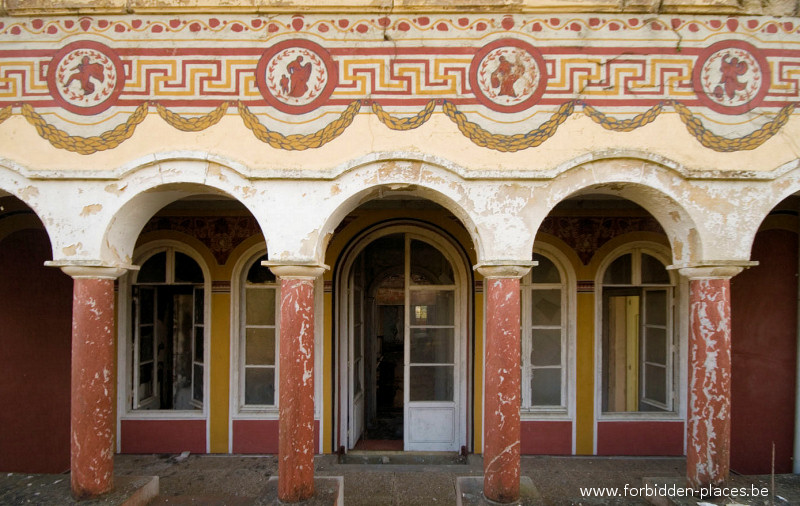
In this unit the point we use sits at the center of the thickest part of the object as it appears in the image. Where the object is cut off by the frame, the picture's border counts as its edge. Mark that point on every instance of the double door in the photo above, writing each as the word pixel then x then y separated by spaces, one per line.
pixel 425 294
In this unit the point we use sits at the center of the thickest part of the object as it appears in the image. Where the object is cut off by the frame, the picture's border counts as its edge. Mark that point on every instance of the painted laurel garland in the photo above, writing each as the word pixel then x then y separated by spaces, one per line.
pixel 480 136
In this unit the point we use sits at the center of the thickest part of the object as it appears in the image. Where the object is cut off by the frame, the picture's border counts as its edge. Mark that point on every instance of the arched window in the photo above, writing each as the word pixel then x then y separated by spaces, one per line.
pixel 544 336
pixel 168 335
pixel 258 337
pixel 638 345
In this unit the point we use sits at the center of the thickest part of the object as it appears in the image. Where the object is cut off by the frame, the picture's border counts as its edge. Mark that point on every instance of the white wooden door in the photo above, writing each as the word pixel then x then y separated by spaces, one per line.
pixel 432 341
pixel 356 353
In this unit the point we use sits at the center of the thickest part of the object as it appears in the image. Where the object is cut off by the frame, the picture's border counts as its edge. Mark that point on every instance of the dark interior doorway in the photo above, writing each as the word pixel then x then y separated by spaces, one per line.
pixel 384 322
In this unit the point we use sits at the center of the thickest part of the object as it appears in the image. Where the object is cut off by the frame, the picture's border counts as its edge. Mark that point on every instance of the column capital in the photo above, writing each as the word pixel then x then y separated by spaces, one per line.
pixel 713 269
pixel 295 269
pixel 505 268
pixel 93 269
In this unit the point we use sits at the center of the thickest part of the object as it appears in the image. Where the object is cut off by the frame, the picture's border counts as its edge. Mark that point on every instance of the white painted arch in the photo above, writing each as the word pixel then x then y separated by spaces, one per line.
pixel 137 196
pixel 658 189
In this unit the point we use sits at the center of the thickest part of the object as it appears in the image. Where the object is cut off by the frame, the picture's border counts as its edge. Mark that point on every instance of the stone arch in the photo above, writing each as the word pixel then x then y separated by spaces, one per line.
pixel 141 193
pixel 659 190
pixel 15 185
pixel 763 197
pixel 412 177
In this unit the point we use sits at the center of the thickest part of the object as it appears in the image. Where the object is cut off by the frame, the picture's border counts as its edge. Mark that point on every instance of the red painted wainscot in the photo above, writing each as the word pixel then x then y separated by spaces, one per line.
pixel 261 436
pixel 163 436
pixel 546 438
pixel 640 438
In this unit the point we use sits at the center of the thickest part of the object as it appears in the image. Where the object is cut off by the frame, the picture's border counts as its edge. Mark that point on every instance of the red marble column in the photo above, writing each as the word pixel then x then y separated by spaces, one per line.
pixel 93 386
pixel 501 434
pixel 296 366
pixel 709 424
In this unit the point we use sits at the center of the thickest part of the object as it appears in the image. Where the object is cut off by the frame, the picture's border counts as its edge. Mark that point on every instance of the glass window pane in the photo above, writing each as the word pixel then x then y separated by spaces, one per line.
pixel 546 387
pixel 432 346
pixel 259 274
pixel 145 343
pixel 357 376
pixel 656 345
pixel 145 381
pixel 357 302
pixel 259 386
pixel 260 306
pixel 357 346
pixel 146 305
pixel 431 383
pixel 429 266
pixel 197 389
pixel 432 307
pixel 619 272
pixel 154 269
pixel 653 271
pixel 259 347
pixel 199 305
pixel 198 344
pixel 546 347
pixel 186 269
pixel 655 383
pixel 545 272
pixel 655 307
pixel 546 307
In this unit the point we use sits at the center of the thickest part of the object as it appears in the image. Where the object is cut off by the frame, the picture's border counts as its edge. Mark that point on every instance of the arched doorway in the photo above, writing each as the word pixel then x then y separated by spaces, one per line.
pixel 36 322
pixel 764 347
pixel 403 340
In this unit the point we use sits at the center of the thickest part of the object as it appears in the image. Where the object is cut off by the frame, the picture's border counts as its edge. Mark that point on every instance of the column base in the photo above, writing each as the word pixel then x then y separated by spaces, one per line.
pixel 469 492
pixel 328 491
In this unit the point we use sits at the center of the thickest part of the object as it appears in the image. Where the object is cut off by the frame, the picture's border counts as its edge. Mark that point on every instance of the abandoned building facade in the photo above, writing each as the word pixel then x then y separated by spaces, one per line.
pixel 565 228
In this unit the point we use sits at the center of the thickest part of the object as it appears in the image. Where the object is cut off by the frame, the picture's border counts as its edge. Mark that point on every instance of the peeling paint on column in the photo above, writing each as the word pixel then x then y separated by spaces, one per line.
pixel 708 451
pixel 92 417
pixel 296 426
pixel 501 454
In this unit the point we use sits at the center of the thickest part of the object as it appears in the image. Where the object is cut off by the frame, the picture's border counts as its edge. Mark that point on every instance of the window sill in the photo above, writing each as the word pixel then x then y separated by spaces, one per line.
pixel 529 414
pixel 164 415
pixel 256 414
pixel 640 417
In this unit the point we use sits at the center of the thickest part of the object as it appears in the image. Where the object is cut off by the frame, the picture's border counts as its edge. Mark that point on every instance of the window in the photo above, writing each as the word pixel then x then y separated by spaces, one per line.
pixel 544 337
pixel 258 343
pixel 168 335
pixel 638 344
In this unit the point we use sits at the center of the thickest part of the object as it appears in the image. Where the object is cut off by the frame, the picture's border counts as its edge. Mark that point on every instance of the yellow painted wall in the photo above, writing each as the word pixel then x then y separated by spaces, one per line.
pixel 584 395
pixel 327 384
pixel 220 372
pixel 477 384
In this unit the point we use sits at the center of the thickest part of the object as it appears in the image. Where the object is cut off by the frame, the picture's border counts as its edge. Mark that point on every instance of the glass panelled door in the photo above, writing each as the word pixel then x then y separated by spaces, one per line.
pixel 357 352
pixel 431 344
pixel 410 354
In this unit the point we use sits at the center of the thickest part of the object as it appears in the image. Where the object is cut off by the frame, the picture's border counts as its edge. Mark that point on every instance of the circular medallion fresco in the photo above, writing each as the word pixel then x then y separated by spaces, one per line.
pixel 85 77
pixel 508 75
pixel 296 76
pixel 731 77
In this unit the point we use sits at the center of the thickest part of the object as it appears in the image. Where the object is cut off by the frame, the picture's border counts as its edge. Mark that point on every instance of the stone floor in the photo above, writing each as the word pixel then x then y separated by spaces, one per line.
pixel 240 480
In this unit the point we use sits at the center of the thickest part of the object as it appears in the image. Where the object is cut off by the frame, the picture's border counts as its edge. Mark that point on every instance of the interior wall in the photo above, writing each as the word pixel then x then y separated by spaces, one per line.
pixel 764 344
pixel 35 349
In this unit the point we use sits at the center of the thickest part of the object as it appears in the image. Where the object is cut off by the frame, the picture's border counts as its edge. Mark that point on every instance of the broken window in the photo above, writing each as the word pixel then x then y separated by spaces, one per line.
pixel 638 347
pixel 168 335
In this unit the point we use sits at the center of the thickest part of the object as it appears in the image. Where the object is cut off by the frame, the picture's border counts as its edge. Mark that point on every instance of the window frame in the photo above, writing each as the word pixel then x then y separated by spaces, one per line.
pixel 674 360
pixel 126 361
pixel 240 410
pixel 568 287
